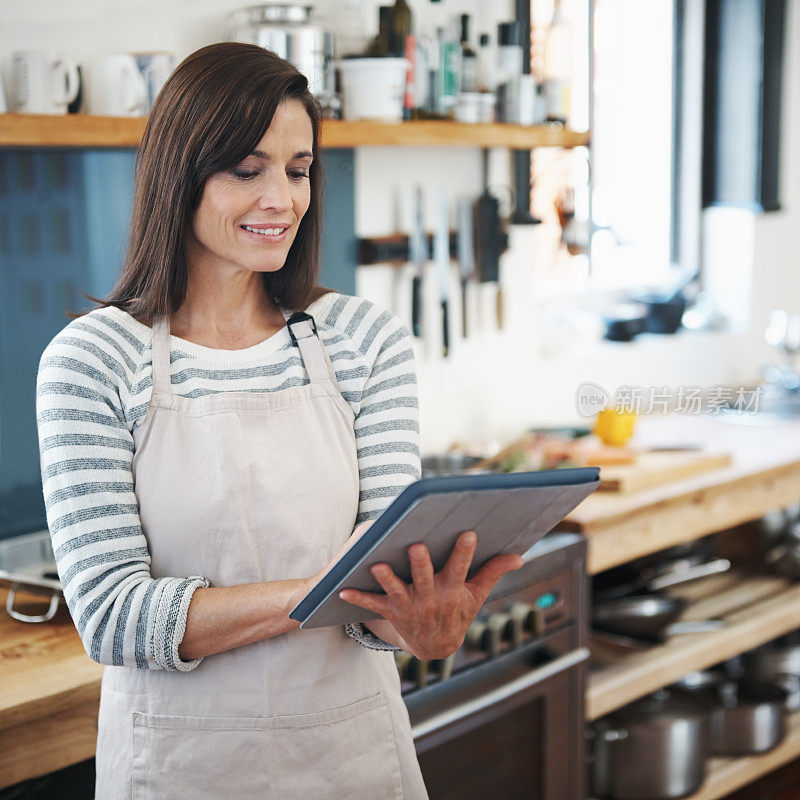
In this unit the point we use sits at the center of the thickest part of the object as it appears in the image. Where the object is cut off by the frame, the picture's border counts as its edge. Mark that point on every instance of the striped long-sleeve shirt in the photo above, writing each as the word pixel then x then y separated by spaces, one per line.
pixel 93 389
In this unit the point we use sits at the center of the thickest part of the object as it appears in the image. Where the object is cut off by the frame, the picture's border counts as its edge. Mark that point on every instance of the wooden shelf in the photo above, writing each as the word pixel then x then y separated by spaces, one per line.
pixel 726 775
pixel 755 609
pixel 83 130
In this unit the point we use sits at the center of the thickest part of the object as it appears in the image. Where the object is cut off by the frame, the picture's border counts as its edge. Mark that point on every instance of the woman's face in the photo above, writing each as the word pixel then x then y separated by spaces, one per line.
pixel 248 216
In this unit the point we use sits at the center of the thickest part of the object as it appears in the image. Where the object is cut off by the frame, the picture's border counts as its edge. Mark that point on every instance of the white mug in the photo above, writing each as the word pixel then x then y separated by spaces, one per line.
pixel 155 67
pixel 115 87
pixel 42 82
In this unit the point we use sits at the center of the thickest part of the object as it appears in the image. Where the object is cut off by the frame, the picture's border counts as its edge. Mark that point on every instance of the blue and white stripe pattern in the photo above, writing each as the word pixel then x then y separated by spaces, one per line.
pixel 93 389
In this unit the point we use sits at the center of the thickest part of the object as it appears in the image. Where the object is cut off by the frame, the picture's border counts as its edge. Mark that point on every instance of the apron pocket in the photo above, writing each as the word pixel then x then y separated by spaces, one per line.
pixel 199 757
pixel 339 754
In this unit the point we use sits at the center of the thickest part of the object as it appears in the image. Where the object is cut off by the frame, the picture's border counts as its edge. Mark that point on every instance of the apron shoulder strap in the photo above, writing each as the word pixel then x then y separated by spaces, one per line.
pixel 161 353
pixel 303 331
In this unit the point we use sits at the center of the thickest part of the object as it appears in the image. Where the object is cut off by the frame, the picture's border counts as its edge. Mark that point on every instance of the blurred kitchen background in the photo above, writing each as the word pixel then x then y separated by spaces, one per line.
pixel 607 192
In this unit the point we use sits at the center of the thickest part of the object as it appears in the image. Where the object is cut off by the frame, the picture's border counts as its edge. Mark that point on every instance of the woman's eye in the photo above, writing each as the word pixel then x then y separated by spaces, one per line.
pixel 244 174
pixel 299 175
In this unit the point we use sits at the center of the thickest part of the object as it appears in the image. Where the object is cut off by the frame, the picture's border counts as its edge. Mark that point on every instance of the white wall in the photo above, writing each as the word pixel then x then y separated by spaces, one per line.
pixel 497 382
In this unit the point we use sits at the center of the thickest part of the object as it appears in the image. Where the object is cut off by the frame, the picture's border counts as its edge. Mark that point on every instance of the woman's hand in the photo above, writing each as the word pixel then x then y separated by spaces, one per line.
pixel 432 613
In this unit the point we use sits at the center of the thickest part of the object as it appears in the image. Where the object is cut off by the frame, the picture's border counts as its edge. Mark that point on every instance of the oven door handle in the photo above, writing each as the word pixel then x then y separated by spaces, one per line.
pixel 543 673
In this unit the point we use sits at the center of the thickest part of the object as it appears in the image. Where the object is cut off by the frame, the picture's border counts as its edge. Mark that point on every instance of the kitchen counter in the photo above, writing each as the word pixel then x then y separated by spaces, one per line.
pixel 49 693
pixel 764 474
pixel 50 688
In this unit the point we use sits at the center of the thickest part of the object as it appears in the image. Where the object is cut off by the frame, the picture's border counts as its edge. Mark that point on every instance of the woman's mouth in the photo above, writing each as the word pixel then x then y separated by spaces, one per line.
pixel 276 234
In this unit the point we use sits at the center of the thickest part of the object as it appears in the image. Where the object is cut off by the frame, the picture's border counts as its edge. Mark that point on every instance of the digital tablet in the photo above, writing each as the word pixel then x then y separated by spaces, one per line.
pixel 509 512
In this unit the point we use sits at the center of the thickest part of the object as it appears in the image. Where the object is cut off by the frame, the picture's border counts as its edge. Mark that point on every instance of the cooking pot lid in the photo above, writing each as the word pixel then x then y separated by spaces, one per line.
pixel 666 705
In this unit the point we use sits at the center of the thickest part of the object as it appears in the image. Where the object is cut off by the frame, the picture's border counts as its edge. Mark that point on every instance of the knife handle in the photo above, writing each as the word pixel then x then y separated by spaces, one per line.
pixel 464 307
pixel 416 305
pixel 445 329
pixel 499 304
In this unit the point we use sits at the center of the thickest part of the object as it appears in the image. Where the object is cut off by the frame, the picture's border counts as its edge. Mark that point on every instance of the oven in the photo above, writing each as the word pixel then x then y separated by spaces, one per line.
pixel 503 717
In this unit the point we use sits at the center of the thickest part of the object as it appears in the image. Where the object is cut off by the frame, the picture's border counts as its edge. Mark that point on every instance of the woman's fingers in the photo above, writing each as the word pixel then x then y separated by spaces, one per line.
pixel 368 600
pixel 487 576
pixel 456 568
pixel 396 589
pixel 421 568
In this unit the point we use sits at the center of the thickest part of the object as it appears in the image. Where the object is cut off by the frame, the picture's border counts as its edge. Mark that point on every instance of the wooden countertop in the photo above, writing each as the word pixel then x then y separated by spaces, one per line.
pixel 50 689
pixel 764 474
pixel 49 693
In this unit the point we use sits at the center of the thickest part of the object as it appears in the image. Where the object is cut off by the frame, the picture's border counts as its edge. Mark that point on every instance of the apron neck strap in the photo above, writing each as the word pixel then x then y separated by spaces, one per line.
pixel 303 331
pixel 301 328
pixel 161 347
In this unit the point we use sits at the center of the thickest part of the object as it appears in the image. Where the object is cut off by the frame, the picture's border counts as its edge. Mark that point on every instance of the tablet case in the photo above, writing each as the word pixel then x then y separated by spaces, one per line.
pixel 509 512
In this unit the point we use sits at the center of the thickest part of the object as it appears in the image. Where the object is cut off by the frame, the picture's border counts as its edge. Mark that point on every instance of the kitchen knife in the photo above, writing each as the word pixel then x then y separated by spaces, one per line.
pixel 418 245
pixel 466 254
pixel 441 246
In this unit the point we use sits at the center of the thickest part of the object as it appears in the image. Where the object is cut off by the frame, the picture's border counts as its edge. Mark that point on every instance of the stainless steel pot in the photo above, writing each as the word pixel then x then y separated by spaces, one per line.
pixel 746 716
pixel 778 662
pixel 288 30
pixel 654 749
pixel 750 718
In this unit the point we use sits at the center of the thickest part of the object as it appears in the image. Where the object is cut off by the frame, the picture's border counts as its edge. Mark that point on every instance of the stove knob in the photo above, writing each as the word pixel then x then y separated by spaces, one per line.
pixel 518 615
pixel 486 635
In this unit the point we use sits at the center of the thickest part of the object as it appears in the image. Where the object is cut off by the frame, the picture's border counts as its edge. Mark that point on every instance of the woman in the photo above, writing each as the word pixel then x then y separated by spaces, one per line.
pixel 194 426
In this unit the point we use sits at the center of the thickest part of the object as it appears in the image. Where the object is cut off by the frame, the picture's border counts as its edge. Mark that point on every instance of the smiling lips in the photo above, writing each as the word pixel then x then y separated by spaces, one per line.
pixel 274 233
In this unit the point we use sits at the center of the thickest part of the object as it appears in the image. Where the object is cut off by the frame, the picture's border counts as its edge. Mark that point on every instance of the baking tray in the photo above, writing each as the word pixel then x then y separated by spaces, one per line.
pixel 27 563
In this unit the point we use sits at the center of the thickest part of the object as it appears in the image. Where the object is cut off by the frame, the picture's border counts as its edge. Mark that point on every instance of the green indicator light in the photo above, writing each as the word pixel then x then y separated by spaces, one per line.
pixel 546 601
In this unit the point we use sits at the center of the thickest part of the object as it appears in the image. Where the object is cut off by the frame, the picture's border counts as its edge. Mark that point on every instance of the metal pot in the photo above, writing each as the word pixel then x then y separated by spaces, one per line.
pixel 750 718
pixel 654 749
pixel 288 30
pixel 779 663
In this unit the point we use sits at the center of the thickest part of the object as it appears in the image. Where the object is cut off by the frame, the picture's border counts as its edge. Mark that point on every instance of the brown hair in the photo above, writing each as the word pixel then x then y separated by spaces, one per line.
pixel 211 113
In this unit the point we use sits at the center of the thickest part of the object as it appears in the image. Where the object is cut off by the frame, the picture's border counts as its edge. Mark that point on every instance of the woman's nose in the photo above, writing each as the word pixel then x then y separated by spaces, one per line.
pixel 277 195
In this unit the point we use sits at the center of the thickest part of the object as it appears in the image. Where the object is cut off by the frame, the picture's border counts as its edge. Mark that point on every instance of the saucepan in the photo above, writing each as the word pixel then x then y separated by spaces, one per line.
pixel 639 609
pixel 653 749
pixel 746 716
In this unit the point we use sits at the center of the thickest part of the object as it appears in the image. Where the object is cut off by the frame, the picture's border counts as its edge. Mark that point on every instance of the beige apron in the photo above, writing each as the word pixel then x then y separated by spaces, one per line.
pixel 243 487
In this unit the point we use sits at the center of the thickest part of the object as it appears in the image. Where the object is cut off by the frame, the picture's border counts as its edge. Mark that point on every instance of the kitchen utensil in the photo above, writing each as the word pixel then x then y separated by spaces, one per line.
pixel 115 87
pixel 27 564
pixel 466 254
pixel 749 718
pixel 289 30
pixel 653 749
pixel 625 321
pixel 419 256
pixel 373 88
pixel 155 67
pixel 42 82
pixel 665 309
pixel 626 579
pixel 779 663
pixel 448 464
pixel 649 617
pixel 441 246
pixel 490 238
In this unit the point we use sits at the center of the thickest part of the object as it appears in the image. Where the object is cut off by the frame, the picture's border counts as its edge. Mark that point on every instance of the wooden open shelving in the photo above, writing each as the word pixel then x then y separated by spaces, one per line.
pixel 83 130
pixel 755 609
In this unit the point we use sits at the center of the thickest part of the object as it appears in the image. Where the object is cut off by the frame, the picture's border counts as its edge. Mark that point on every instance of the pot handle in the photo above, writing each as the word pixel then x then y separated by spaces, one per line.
pixel 690 574
pixel 55 597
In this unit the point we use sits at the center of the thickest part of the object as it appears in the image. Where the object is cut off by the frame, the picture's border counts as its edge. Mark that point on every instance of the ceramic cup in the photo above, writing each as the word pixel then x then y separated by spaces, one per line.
pixel 42 82
pixel 155 68
pixel 115 87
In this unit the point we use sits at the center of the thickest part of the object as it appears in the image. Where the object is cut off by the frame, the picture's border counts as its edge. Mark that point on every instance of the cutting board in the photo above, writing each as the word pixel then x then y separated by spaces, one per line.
pixel 653 469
